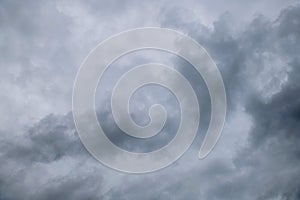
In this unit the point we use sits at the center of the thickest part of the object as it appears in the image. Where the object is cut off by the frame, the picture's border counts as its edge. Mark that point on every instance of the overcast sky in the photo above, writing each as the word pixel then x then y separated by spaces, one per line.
pixel 256 46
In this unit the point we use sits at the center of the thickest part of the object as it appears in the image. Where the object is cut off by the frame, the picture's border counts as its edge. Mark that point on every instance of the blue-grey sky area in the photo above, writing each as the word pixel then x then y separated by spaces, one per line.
pixel 256 46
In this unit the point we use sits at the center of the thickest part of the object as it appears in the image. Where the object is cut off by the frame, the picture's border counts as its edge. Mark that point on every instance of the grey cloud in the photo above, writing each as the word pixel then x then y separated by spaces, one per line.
pixel 45 163
pixel 271 159
pixel 48 161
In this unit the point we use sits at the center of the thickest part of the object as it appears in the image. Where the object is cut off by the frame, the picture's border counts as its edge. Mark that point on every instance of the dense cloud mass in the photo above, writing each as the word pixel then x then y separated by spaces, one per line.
pixel 256 47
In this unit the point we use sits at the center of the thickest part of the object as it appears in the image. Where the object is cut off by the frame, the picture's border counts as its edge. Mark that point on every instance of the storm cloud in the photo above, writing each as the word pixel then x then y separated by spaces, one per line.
pixel 42 45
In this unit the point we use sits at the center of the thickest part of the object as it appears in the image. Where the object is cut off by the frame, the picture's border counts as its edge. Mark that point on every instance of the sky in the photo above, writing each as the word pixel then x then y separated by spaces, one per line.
pixel 255 45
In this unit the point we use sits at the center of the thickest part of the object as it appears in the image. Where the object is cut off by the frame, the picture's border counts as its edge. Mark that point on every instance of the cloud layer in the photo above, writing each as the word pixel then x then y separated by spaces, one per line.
pixel 257 156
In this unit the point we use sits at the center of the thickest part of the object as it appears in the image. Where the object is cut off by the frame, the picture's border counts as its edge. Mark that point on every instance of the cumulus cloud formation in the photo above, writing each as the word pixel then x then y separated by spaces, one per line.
pixel 256 47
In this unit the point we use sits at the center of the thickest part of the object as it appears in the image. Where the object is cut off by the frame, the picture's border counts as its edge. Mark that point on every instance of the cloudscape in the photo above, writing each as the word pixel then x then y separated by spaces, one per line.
pixel 256 46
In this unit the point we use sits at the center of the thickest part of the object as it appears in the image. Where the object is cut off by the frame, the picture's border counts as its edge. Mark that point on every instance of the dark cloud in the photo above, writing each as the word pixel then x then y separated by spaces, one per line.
pixel 46 162
pixel 260 64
